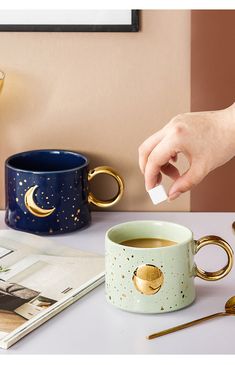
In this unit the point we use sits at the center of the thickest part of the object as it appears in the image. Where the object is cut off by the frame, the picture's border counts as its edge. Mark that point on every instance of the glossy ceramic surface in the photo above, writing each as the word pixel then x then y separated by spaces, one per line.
pixel 156 280
pixel 58 199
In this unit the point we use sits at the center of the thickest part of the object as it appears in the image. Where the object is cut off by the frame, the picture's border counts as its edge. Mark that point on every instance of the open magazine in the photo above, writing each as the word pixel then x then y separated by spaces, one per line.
pixel 38 279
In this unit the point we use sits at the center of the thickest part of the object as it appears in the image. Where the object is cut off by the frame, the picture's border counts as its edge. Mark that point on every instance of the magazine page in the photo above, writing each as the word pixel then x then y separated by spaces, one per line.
pixel 39 278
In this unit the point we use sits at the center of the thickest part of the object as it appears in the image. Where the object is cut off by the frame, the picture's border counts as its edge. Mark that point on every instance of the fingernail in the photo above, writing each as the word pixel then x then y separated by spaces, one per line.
pixel 174 196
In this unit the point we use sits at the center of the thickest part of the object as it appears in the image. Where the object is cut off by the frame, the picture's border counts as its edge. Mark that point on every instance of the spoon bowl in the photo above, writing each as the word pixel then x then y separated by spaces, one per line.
pixel 230 306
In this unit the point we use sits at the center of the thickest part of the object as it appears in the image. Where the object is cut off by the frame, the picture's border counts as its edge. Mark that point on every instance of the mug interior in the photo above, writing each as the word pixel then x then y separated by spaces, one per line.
pixel 149 229
pixel 46 161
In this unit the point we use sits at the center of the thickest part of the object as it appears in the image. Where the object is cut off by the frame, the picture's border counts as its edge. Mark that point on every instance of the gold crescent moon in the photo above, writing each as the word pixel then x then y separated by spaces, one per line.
pixel 32 207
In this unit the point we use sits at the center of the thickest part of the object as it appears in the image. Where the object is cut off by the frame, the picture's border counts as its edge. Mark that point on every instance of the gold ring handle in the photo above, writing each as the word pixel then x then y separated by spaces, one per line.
pixel 218 241
pixel 109 171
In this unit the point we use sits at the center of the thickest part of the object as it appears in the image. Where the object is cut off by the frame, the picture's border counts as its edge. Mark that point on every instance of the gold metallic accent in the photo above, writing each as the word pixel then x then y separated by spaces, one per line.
pixel 218 241
pixel 229 310
pixel 148 279
pixel 32 207
pixel 2 77
pixel 109 171
pixel 233 226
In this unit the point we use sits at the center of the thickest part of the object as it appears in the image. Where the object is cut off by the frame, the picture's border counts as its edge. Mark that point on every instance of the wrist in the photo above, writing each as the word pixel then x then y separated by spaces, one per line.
pixel 229 124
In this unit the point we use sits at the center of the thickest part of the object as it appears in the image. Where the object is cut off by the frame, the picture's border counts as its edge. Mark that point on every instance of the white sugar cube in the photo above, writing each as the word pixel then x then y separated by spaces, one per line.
pixel 158 194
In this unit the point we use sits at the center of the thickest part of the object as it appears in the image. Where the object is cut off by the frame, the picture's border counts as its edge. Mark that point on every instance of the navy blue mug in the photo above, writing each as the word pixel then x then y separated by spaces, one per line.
pixel 47 191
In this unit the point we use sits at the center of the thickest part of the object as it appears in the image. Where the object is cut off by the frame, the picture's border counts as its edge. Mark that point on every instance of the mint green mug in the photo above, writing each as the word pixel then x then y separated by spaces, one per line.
pixel 156 279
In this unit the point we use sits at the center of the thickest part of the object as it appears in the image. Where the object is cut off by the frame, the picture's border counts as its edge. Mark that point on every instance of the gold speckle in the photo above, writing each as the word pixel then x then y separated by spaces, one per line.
pixel 17 199
pixel 46 197
pixel 75 218
pixel 20 183
pixel 66 218
pixel 61 229
pixel 57 220
pixel 17 174
pixel 72 215
pixel 48 178
pixel 25 180
pixel 78 211
pixel 42 192
pixel 50 230
pixel 17 217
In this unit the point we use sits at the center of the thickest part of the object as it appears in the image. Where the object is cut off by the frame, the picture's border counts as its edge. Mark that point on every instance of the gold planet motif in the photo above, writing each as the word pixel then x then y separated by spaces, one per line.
pixel 148 279
pixel 32 207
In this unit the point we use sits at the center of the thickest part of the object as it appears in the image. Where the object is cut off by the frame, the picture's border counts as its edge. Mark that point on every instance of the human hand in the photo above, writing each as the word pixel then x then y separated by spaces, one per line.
pixel 207 139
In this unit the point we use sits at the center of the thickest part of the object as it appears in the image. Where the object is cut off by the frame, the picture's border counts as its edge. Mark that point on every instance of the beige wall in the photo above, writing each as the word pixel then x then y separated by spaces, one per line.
pixel 98 93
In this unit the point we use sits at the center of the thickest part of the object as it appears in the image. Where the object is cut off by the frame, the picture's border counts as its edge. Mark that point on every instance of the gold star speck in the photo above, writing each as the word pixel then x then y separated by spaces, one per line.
pixel 17 199
pixel 20 183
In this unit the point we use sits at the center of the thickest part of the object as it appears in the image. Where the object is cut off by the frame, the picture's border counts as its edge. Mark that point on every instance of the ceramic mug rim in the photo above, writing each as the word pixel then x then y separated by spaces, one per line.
pixel 9 166
pixel 151 222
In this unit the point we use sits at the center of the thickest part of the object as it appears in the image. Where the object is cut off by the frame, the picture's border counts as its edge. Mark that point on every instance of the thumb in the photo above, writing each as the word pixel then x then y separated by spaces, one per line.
pixel 187 181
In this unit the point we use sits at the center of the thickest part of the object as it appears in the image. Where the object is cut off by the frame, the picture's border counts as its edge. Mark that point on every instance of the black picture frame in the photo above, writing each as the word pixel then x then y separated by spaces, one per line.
pixel 133 27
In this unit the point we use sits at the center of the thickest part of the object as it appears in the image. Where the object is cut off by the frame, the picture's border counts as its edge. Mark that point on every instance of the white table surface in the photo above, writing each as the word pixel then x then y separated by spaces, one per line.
pixel 91 326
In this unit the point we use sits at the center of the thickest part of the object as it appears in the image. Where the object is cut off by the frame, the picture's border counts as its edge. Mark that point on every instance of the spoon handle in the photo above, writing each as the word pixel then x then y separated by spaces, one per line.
pixel 185 325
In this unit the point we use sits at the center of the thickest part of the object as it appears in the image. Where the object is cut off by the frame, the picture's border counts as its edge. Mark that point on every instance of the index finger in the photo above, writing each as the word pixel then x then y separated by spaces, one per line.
pixel 159 156
pixel 146 148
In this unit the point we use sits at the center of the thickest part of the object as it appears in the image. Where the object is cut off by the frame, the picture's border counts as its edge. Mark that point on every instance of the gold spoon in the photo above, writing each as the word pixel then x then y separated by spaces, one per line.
pixel 229 310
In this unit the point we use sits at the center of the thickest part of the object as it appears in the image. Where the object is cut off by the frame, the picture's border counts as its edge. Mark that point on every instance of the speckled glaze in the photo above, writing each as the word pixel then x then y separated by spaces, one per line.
pixel 176 263
pixel 62 180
